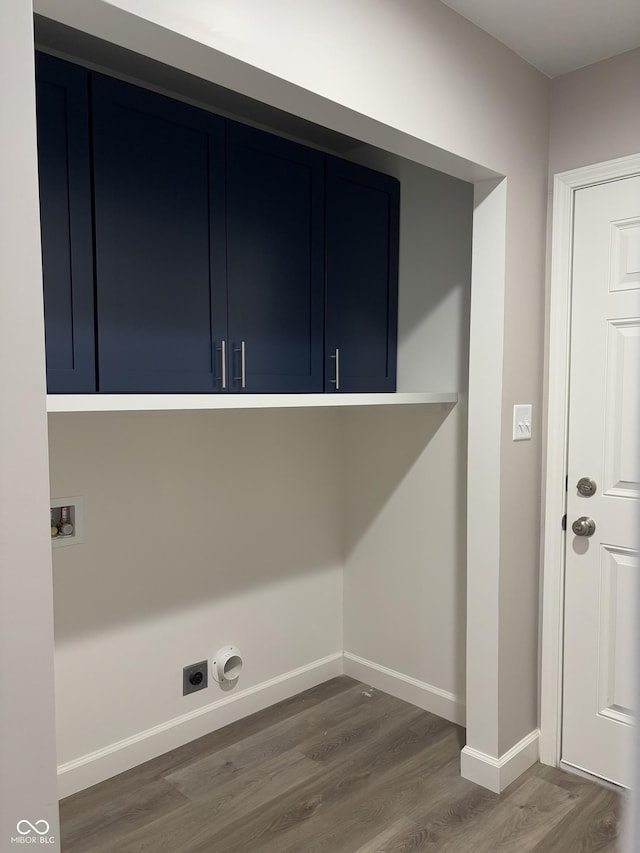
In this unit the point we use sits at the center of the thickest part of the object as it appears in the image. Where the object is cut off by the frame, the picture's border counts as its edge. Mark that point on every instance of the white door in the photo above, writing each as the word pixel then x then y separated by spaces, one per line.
pixel 604 445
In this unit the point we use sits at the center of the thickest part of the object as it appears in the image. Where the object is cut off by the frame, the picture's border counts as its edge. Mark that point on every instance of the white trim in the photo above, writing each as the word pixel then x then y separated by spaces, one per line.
pixel 565 186
pixel 167 402
pixel 497 773
pixel 486 369
pixel 117 757
pixel 419 693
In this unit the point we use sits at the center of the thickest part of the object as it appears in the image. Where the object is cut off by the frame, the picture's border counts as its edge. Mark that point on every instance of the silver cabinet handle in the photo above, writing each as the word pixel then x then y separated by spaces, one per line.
pixel 336 381
pixel 243 373
pixel 223 359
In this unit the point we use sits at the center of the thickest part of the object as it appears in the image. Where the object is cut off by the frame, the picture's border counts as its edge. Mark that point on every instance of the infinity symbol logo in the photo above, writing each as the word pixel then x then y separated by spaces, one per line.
pixel 32 827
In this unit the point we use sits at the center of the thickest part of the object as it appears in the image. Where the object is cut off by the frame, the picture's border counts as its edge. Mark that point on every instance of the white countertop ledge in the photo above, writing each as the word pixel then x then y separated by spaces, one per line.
pixel 189 402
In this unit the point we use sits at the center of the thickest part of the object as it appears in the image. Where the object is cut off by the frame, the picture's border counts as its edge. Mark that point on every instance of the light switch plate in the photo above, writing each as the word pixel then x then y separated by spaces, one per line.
pixel 522 422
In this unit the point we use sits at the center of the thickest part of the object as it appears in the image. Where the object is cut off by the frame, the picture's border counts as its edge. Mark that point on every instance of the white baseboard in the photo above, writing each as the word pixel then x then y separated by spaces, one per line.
pixel 419 693
pixel 496 773
pixel 117 757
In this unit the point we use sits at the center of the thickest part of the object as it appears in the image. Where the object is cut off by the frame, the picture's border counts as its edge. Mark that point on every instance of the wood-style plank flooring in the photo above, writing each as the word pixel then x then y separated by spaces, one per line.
pixel 341 768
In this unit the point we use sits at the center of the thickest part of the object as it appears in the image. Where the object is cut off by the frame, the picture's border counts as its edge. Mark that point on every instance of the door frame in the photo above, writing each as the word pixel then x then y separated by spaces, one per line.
pixel 565 185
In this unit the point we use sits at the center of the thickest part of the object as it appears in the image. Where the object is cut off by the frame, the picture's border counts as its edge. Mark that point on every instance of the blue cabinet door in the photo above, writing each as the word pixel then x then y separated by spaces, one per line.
pixel 275 211
pixel 65 221
pixel 362 210
pixel 159 241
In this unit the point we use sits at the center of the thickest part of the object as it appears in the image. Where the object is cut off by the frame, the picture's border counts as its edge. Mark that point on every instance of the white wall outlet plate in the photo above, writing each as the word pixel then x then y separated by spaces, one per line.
pixel 522 422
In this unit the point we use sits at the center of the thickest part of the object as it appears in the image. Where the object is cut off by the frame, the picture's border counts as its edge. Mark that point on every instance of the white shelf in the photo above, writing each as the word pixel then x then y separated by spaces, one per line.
pixel 169 402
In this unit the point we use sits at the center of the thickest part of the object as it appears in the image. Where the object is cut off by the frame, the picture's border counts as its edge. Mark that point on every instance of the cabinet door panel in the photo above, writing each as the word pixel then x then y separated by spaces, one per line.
pixel 159 219
pixel 362 277
pixel 65 218
pixel 275 263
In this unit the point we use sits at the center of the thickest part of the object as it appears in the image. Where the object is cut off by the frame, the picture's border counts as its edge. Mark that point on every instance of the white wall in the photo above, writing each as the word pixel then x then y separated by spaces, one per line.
pixel 483 458
pixel 595 113
pixel 237 525
pixel 405 470
pixel 414 65
pixel 414 78
pixel 27 746
pixel 520 465
pixel 201 529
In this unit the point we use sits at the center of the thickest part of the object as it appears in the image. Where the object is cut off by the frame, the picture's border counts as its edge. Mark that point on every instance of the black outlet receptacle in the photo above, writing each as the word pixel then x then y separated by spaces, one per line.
pixel 194 677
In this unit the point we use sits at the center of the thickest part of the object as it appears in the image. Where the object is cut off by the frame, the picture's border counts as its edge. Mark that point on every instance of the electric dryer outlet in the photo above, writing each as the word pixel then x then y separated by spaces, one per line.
pixel 195 677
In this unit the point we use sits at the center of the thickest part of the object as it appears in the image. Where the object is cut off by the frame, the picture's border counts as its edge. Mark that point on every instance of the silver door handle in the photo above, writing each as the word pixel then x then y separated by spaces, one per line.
pixel 242 379
pixel 336 381
pixel 223 359
pixel 584 526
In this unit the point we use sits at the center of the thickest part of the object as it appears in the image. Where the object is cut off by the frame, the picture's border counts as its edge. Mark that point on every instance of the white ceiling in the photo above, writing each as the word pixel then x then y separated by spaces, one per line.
pixel 557 36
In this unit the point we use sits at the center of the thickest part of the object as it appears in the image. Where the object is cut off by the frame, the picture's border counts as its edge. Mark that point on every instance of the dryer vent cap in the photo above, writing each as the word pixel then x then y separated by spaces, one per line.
pixel 227 664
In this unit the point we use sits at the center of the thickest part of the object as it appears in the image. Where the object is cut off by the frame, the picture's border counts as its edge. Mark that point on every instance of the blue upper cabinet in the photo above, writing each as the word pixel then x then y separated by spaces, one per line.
pixel 65 215
pixel 362 210
pixel 187 253
pixel 159 241
pixel 275 244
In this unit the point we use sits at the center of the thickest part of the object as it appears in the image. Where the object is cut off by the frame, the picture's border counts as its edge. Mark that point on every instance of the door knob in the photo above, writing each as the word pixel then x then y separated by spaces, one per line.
pixel 584 526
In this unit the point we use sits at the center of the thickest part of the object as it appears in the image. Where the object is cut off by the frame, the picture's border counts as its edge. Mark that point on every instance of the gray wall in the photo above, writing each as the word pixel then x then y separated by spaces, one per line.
pixel 28 788
pixel 405 470
pixel 595 113
pixel 201 529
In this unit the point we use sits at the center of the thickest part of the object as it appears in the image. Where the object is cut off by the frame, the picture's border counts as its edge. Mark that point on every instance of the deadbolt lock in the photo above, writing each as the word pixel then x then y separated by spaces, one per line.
pixel 586 487
pixel 584 526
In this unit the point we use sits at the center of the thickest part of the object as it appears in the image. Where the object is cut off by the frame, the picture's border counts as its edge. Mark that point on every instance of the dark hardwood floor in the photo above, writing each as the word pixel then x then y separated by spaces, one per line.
pixel 341 768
